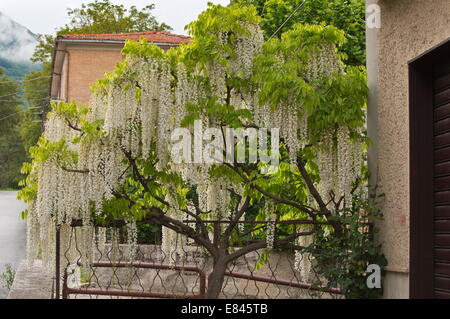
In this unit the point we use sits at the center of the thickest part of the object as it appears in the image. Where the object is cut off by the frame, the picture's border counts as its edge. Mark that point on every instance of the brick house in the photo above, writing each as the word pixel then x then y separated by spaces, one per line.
pixel 81 59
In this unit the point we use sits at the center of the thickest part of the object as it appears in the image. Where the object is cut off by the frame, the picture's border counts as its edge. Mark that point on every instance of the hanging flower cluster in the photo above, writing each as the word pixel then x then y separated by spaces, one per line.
pixel 302 261
pixel 340 162
pixel 269 209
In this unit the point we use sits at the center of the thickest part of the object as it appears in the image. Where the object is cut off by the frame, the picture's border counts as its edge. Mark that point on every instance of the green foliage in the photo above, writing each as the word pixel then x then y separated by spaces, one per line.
pixel 7 277
pixel 29 186
pixel 263 259
pixel 347 15
pixel 36 87
pixel 102 16
pixel 53 151
pixel 149 234
pixel 44 150
pixel 281 66
pixel 12 155
pixel 43 52
pixel 139 49
pixel 343 261
pixel 280 70
pixel 11 150
pixel 207 32
pixel 9 103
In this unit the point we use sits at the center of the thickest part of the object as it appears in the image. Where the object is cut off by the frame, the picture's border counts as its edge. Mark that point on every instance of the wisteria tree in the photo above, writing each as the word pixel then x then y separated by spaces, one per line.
pixel 115 159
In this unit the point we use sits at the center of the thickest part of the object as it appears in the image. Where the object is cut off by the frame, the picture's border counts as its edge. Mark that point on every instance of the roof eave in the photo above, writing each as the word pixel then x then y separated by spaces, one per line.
pixel 54 88
pixel 111 42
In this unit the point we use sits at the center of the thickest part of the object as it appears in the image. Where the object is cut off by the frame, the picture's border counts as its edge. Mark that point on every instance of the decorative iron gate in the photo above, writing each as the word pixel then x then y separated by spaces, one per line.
pixel 183 273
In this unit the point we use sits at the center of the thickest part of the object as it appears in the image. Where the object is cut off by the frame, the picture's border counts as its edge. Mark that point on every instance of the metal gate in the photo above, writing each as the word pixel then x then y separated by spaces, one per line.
pixel 181 274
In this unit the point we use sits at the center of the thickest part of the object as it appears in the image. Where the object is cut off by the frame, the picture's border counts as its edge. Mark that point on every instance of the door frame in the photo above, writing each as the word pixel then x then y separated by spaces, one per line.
pixel 421 275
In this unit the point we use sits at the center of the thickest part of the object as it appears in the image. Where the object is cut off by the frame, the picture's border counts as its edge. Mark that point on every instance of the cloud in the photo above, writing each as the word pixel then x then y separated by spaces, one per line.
pixel 44 16
pixel 17 43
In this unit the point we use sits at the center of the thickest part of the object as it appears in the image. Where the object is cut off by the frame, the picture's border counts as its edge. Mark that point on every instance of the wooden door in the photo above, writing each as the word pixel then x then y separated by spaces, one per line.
pixel 441 128
pixel 429 111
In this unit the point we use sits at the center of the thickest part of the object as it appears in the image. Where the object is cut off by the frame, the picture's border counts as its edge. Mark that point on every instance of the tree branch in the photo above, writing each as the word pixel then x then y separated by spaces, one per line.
pixel 143 182
pixel 74 127
pixel 75 170
pixel 237 216
pixel 303 208
pixel 312 189
pixel 263 244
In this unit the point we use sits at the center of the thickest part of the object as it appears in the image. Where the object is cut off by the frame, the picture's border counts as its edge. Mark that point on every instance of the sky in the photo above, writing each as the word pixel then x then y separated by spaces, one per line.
pixel 44 16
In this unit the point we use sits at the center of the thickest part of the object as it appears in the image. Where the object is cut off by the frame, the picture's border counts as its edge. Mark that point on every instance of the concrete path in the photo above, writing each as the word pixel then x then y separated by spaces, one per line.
pixel 12 232
pixel 31 282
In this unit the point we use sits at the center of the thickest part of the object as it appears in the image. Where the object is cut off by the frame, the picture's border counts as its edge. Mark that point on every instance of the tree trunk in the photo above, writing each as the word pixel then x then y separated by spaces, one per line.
pixel 338 231
pixel 215 281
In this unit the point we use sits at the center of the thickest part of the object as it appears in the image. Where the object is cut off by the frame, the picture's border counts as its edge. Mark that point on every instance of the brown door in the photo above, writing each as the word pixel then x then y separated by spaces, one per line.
pixel 441 128
pixel 429 111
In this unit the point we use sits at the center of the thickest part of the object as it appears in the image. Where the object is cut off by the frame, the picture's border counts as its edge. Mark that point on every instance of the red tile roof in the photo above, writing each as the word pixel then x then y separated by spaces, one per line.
pixel 151 36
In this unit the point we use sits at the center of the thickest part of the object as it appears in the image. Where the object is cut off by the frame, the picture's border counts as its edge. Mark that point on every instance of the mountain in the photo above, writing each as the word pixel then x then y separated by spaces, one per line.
pixel 17 44
pixel 18 70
